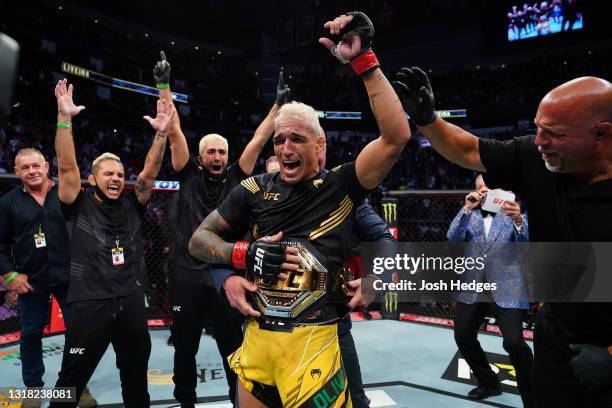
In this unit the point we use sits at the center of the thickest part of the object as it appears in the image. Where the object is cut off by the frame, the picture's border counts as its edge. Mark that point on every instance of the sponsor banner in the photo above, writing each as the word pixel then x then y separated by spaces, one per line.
pixel 440 321
pixel 13 356
pixel 164 185
pixel 57 318
pixel 458 370
pixel 389 308
pixel 389 206
pixel 158 376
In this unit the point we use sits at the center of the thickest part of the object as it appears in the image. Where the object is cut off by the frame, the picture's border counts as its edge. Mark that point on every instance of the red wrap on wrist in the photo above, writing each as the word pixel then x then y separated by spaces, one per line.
pixel 365 62
pixel 239 254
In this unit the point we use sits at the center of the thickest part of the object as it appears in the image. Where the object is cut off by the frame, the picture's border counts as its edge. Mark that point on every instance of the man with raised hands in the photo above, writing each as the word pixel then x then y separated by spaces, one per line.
pixel 287 361
pixel 203 185
pixel 564 174
pixel 107 269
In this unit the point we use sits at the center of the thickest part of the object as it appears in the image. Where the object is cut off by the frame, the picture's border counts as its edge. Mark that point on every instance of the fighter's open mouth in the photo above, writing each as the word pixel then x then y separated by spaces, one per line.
pixel 291 164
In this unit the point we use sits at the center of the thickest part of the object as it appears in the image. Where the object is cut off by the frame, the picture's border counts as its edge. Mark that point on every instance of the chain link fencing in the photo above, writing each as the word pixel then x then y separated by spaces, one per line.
pixel 425 216
pixel 419 216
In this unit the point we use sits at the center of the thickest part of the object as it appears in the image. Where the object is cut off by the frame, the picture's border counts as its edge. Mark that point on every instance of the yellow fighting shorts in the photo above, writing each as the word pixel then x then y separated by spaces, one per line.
pixel 298 369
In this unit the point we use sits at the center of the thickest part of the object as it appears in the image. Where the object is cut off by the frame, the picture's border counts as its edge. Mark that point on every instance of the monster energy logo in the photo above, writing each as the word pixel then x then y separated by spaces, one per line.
pixel 391 301
pixel 390 210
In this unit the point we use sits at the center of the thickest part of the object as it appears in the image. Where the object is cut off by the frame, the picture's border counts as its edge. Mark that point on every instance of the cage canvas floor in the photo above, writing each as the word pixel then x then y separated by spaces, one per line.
pixel 403 365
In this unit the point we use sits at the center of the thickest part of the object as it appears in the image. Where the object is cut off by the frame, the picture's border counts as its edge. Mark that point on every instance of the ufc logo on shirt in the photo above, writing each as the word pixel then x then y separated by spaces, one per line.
pixel 77 350
pixel 176 308
pixel 259 254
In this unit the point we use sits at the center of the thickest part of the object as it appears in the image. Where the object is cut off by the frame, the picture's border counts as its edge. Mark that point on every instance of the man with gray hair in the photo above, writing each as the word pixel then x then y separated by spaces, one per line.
pixel 203 185
pixel 107 270
pixel 564 174
pixel 34 260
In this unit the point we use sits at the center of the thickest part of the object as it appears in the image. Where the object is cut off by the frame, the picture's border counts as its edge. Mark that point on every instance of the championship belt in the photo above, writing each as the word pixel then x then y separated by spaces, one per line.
pixel 316 293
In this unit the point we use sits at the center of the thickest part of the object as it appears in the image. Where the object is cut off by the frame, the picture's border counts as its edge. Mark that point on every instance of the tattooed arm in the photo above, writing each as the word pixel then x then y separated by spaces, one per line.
pixel 206 243
pixel 153 162
pixel 378 157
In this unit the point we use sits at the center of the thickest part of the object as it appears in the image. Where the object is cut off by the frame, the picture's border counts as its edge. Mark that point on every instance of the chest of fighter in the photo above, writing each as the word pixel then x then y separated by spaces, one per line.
pixel 312 210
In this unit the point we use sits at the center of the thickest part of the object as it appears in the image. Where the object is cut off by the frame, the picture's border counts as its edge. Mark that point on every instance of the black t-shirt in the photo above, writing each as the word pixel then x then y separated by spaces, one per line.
pixel 560 210
pixel 93 228
pixel 199 195
pixel 320 210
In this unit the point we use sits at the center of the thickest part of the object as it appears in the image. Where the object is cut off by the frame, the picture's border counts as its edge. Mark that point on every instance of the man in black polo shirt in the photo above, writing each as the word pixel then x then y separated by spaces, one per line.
pixel 564 173
pixel 34 258
pixel 107 270
pixel 203 185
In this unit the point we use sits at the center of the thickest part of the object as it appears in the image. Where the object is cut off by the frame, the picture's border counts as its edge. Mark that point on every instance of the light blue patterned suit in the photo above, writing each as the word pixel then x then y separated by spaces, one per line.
pixel 501 265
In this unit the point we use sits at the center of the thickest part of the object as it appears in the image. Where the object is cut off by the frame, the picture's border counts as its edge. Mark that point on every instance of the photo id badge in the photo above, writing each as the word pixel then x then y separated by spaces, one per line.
pixel 39 240
pixel 117 256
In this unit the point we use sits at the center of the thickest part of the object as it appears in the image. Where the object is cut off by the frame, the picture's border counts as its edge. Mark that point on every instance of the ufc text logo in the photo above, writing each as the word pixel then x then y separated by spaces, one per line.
pixel 259 254
pixel 271 196
pixel 77 350
pixel 176 308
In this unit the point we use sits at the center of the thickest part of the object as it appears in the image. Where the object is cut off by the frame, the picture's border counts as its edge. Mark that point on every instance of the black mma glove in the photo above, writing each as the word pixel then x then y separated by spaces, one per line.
pixel 365 60
pixel 414 90
pixel 161 71
pixel 263 259
pixel 360 26
pixel 283 92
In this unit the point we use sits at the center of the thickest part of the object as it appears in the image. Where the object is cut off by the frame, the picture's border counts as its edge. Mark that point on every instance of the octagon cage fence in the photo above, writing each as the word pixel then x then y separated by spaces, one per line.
pixel 419 215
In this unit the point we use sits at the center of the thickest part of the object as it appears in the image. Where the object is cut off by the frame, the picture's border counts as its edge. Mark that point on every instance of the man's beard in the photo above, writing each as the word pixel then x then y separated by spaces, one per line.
pixel 560 168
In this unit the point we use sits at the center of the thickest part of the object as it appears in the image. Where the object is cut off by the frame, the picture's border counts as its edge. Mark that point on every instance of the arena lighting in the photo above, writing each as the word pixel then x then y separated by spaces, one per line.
pixel 446 114
pixel 118 83
pixel 339 115
pixel 452 113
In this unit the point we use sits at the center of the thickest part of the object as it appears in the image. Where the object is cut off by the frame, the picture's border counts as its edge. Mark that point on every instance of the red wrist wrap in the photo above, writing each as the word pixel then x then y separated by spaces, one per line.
pixel 365 62
pixel 239 254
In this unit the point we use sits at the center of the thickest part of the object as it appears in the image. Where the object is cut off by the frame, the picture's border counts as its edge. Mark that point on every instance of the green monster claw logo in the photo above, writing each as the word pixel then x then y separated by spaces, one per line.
pixel 391 301
pixel 390 210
